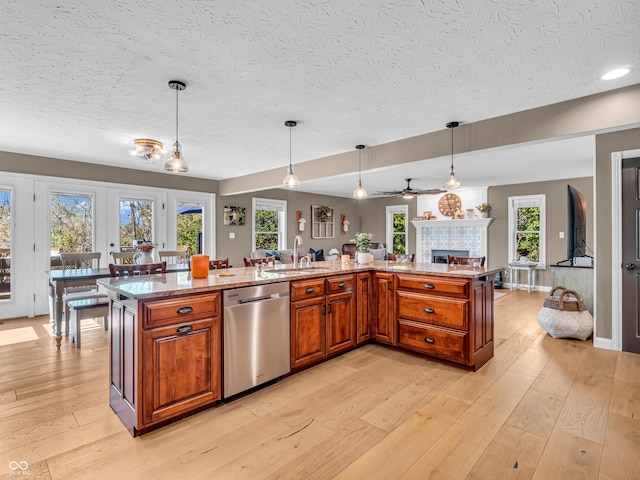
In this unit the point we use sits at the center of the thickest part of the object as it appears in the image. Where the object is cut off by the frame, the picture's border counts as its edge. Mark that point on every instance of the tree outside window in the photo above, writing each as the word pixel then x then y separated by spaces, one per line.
pixel 527 228
pixel 528 233
pixel 266 229
pixel 397 235
pixel 136 221
pixel 71 223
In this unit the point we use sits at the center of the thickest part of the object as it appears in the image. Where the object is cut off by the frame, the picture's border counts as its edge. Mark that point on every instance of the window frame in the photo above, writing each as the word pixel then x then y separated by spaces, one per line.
pixel 527 201
pixel 390 211
pixel 270 204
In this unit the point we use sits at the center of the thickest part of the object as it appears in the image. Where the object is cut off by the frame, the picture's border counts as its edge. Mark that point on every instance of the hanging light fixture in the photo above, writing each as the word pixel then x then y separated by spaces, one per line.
pixel 291 180
pixel 176 163
pixel 146 150
pixel 360 192
pixel 452 181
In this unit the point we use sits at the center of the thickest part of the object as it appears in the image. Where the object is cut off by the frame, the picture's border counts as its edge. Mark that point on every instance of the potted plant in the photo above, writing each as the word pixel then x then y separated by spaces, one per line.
pixel 363 244
pixel 483 208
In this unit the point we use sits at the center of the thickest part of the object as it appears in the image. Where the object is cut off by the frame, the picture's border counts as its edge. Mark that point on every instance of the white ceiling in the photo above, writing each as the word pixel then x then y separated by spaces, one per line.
pixel 81 79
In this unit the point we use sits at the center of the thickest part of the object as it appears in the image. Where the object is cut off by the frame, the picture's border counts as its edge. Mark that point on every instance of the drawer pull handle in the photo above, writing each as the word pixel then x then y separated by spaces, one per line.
pixel 341 284
pixel 184 329
pixel 184 310
pixel 429 340
pixel 310 290
pixel 429 310
pixel 429 285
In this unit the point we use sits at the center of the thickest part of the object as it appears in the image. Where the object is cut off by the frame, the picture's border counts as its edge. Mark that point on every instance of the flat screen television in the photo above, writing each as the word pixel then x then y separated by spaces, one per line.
pixel 576 224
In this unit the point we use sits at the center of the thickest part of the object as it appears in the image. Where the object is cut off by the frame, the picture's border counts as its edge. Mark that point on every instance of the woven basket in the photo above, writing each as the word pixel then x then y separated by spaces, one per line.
pixel 563 301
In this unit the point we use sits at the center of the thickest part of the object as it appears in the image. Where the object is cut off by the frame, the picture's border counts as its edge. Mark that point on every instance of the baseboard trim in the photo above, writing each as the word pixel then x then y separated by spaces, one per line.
pixel 538 288
pixel 604 343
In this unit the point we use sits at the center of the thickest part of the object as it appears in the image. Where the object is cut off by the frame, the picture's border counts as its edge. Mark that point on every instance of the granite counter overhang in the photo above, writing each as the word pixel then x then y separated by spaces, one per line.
pixel 181 283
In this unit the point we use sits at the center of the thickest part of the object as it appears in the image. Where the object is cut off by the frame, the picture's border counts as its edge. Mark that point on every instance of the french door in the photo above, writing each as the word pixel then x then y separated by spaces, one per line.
pixel 16 246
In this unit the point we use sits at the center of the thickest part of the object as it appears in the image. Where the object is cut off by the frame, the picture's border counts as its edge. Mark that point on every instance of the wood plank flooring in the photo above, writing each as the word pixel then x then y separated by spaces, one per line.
pixel 540 409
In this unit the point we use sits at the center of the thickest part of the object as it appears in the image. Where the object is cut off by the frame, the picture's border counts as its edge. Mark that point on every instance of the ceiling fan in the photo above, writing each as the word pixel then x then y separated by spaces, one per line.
pixel 410 192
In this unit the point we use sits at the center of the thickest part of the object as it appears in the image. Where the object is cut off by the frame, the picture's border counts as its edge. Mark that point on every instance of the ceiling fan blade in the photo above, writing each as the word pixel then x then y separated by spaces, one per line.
pixel 396 192
pixel 429 191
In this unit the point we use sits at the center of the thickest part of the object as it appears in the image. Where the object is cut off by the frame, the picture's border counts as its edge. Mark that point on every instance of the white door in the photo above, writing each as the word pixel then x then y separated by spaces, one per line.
pixel 134 216
pixel 16 247
pixel 190 222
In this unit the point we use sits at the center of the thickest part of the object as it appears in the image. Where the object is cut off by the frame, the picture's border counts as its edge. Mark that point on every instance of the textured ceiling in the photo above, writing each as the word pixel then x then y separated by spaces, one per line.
pixel 83 78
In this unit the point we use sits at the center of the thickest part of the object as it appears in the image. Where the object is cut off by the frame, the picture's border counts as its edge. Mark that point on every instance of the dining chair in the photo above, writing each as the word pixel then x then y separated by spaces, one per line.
pixel 398 257
pixel 123 258
pixel 173 257
pixel 77 261
pixel 216 264
pixel 469 261
pixel 252 262
pixel 136 270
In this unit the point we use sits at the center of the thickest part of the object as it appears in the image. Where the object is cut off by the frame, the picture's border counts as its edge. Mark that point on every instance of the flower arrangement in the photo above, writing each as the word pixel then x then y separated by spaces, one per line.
pixel 363 242
pixel 483 207
pixel 458 214
pixel 145 247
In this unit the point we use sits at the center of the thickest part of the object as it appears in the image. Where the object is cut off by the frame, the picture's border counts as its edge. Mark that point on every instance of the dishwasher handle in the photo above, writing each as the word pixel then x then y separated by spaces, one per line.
pixel 254 299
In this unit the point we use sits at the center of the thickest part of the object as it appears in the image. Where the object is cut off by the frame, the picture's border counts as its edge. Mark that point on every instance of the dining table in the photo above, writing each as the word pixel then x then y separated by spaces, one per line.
pixel 61 280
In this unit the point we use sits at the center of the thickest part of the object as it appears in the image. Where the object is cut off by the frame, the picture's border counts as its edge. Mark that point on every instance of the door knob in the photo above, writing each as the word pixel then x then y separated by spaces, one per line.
pixel 630 266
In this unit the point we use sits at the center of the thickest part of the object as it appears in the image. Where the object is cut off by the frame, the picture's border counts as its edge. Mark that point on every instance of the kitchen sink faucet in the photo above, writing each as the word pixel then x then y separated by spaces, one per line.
pixel 296 242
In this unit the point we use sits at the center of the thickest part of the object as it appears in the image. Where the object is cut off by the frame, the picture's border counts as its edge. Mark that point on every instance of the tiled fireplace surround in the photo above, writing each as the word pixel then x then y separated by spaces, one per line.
pixel 467 234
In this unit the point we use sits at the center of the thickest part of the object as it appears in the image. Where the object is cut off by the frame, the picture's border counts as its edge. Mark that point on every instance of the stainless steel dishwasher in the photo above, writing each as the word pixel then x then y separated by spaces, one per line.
pixel 256 336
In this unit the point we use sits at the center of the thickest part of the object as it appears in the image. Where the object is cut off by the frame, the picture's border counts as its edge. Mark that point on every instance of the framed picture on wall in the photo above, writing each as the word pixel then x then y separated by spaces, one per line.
pixel 234 215
pixel 322 222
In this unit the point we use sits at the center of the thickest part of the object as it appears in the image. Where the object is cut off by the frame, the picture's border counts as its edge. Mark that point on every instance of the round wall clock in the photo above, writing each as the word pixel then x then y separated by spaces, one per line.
pixel 449 204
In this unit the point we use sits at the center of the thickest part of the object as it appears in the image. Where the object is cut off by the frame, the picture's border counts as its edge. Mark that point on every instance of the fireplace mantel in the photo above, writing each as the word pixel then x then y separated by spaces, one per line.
pixel 462 234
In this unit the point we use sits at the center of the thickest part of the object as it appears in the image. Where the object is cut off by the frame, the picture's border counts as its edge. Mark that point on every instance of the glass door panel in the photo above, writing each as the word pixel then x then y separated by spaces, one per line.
pixel 71 225
pixel 5 244
pixel 190 227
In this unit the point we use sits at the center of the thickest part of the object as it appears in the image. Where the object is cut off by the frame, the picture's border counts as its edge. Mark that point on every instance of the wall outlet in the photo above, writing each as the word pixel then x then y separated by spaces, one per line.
pixel 232 234
pixel 561 235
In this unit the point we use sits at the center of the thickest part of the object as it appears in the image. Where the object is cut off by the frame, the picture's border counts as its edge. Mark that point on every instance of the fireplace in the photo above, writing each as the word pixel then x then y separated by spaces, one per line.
pixel 440 256
pixel 464 237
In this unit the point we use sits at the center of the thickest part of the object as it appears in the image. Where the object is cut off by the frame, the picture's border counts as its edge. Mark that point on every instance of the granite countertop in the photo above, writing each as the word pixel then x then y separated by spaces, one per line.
pixel 160 285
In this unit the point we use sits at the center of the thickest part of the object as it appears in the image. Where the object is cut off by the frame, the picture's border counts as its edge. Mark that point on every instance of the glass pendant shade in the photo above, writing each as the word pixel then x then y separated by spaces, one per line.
pixel 452 181
pixel 176 162
pixel 290 180
pixel 360 192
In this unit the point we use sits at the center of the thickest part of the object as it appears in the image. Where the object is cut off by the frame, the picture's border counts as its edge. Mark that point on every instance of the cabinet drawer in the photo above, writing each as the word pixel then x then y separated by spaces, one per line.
pixel 432 340
pixel 341 283
pixel 180 310
pixel 447 312
pixel 434 285
pixel 301 289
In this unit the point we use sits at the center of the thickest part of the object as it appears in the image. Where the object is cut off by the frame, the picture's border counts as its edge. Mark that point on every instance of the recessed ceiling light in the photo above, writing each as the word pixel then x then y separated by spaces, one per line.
pixel 617 73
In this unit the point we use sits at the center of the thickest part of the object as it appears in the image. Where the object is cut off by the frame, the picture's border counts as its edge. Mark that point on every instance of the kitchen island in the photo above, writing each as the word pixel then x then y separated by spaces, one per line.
pixel 166 330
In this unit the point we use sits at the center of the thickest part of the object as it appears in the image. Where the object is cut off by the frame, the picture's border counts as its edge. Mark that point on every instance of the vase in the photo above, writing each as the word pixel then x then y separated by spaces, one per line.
pixel 364 257
pixel 143 257
pixel 484 214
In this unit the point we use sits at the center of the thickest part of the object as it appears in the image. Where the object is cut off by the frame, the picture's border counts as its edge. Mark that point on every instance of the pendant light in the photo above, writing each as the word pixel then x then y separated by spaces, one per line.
pixel 452 181
pixel 359 192
pixel 176 162
pixel 290 181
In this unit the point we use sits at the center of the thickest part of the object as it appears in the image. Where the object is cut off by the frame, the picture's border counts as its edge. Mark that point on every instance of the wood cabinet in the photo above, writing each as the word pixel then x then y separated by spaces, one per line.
pixel 448 318
pixel 165 358
pixel 383 320
pixel 363 307
pixel 322 318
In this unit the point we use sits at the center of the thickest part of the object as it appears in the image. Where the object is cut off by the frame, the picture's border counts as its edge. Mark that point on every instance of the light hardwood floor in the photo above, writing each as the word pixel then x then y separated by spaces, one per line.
pixel 541 409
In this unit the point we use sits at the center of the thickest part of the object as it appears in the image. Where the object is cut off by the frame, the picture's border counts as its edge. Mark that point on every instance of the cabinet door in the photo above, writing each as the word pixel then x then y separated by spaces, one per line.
pixel 363 308
pixel 383 319
pixel 123 376
pixel 341 322
pixel 181 368
pixel 307 331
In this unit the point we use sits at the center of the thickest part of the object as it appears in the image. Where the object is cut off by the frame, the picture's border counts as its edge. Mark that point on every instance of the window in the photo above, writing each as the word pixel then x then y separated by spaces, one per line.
pixel 189 226
pixel 5 244
pixel 397 237
pixel 527 228
pixel 136 221
pixel 269 223
pixel 71 224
